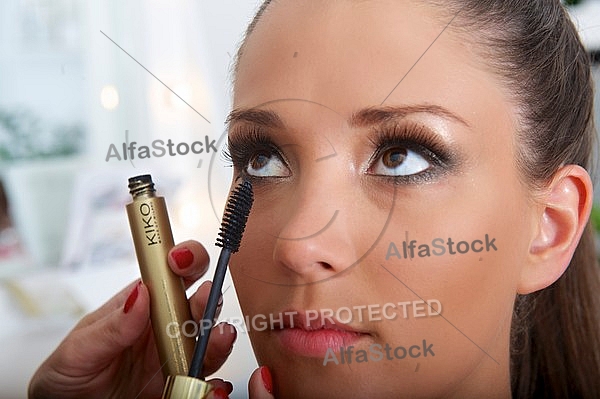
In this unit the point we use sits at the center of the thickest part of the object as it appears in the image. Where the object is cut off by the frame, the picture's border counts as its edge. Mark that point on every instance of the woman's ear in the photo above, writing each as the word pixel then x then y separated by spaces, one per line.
pixel 565 209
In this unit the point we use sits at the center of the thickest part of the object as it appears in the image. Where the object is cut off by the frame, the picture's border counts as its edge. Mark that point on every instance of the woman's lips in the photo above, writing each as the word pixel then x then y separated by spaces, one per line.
pixel 315 343
pixel 314 338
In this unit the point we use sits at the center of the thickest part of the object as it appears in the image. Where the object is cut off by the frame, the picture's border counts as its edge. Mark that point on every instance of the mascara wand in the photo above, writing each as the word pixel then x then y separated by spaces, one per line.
pixel 193 386
pixel 232 228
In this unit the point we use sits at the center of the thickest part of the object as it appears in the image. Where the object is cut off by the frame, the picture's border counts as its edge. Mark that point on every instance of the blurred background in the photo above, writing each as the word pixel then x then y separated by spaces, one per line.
pixel 78 80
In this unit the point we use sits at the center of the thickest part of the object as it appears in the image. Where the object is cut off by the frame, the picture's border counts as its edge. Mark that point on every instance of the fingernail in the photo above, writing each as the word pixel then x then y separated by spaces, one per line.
pixel 183 257
pixel 234 332
pixel 231 348
pixel 131 298
pixel 220 393
pixel 220 303
pixel 265 374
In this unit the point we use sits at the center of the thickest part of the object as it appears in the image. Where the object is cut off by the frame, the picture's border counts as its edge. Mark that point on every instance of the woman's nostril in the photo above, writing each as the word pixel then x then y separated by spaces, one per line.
pixel 326 266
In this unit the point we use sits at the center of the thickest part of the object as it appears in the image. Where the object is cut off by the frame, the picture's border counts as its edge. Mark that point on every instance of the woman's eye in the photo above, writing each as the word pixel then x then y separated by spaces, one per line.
pixel 265 164
pixel 399 161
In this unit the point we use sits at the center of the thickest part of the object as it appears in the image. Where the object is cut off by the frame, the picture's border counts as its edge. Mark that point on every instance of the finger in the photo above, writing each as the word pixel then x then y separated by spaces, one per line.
pixel 260 385
pixel 189 260
pixel 199 299
pixel 220 345
pixel 217 383
pixel 218 393
pixel 107 337
pixel 196 269
pixel 113 303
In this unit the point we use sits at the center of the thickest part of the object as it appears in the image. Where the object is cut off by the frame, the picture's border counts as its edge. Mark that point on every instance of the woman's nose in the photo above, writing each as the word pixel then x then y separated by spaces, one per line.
pixel 316 238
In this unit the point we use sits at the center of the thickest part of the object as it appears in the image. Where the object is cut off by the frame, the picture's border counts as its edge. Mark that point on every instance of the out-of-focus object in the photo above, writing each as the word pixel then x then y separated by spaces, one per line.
pixel 109 97
pixel 586 15
pixel 38 195
pixel 38 167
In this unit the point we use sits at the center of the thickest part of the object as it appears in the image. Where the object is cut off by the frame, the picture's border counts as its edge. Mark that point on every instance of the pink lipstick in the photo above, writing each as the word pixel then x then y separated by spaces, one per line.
pixel 308 337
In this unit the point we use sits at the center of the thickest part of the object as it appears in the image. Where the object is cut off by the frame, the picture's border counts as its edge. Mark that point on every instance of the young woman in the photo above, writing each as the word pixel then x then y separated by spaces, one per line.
pixel 420 226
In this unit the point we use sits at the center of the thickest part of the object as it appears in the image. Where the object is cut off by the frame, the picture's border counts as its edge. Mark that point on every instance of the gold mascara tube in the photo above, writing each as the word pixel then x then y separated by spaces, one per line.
pixel 169 307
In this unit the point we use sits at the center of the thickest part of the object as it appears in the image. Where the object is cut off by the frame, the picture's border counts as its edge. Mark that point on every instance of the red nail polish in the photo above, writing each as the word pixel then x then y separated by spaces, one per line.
pixel 219 393
pixel 131 298
pixel 183 257
pixel 267 379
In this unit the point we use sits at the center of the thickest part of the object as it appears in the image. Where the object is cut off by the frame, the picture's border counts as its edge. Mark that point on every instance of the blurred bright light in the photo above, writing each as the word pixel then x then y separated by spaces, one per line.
pixel 109 97
pixel 184 91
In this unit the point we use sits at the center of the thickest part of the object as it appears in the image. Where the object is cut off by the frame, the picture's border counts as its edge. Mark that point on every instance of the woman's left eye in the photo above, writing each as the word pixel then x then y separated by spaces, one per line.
pixel 399 161
pixel 266 164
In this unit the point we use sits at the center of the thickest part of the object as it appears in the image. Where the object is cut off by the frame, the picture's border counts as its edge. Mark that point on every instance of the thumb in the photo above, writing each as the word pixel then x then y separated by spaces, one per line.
pixel 260 385
pixel 107 337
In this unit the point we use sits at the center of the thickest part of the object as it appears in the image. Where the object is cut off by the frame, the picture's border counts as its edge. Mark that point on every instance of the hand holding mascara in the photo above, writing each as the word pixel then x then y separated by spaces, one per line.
pixel 115 334
pixel 230 237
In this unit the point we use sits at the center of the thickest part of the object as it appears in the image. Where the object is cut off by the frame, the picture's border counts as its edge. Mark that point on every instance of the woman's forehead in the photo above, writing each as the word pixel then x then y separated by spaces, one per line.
pixel 351 55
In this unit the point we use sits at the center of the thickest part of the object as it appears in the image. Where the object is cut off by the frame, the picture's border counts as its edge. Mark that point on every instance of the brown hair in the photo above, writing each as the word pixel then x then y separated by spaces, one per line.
pixel 534 48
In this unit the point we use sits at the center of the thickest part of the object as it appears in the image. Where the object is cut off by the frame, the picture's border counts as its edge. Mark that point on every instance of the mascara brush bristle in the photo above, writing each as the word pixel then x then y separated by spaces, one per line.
pixel 235 217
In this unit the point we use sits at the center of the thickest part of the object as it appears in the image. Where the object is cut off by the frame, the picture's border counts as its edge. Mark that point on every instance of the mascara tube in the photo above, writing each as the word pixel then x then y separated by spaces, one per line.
pixel 169 307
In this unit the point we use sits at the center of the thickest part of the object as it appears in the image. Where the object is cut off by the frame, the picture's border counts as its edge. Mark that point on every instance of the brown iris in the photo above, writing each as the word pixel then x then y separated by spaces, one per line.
pixel 394 157
pixel 259 161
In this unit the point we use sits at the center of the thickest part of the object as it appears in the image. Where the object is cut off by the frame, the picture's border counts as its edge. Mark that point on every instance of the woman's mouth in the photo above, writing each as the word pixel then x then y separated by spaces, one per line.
pixel 310 336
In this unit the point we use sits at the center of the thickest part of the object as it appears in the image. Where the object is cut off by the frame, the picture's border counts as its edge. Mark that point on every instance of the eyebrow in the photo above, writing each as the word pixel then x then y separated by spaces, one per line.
pixel 265 118
pixel 378 115
pixel 365 117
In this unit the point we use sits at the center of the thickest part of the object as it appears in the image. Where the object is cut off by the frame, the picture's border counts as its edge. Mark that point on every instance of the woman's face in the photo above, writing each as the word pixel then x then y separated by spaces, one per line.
pixel 365 128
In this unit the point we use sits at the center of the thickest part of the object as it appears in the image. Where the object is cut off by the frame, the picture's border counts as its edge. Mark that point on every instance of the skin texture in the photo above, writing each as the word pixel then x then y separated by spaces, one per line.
pixel 316 64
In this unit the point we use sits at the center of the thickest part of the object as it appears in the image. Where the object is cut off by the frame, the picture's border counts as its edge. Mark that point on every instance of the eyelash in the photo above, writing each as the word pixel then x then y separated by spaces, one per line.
pixel 242 146
pixel 245 144
pixel 419 139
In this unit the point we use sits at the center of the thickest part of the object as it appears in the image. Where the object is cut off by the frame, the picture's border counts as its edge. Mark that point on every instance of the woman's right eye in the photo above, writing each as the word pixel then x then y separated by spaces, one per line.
pixel 266 164
pixel 254 154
